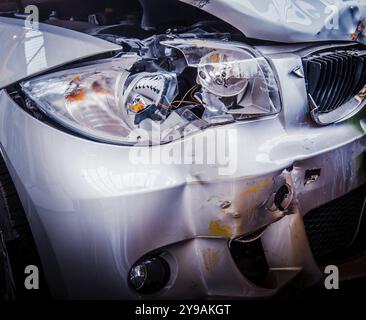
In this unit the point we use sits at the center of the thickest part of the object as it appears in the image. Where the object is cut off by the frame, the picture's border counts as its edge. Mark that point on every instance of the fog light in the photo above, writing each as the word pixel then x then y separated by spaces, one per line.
pixel 149 274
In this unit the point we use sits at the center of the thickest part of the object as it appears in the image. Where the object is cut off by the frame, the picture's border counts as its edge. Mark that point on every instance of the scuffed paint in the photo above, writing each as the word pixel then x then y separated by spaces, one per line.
pixel 239 212
pixel 217 228
pixel 257 187
pixel 210 258
pixel 359 33
pixel 245 206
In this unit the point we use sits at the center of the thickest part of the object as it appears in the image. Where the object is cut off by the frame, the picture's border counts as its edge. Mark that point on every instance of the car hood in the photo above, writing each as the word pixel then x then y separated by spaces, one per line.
pixel 291 21
pixel 25 52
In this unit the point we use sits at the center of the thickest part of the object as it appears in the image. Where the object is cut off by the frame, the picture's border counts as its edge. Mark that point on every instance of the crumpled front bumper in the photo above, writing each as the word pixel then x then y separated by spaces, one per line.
pixel 94 212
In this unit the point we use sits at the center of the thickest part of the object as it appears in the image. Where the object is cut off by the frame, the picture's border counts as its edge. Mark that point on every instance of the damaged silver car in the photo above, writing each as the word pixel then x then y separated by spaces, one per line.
pixel 181 149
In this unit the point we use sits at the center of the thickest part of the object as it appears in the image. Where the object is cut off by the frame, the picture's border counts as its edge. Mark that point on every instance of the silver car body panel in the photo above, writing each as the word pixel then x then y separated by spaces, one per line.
pixel 290 21
pixel 93 212
pixel 27 51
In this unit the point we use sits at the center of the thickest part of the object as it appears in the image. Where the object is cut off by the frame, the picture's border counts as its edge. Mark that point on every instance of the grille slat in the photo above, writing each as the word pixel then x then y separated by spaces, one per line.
pixel 337 81
pixel 362 74
pixel 343 80
pixel 333 78
pixel 340 79
pixel 347 81
pixel 332 83
pixel 322 83
pixel 359 62
pixel 314 73
pixel 327 81
pixel 351 81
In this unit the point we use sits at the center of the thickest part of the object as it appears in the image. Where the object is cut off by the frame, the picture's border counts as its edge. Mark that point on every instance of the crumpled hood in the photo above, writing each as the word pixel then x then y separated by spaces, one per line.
pixel 291 20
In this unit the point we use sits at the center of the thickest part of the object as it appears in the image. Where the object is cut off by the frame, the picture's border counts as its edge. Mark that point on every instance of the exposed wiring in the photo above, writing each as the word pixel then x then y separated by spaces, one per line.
pixel 192 95
pixel 189 93
pixel 183 101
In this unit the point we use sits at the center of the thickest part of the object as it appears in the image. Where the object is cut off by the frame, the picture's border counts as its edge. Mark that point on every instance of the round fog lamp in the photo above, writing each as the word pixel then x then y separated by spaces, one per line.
pixel 149 274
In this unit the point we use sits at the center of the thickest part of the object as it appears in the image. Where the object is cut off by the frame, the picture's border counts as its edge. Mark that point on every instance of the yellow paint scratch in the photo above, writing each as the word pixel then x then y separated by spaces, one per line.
pixel 258 187
pixel 210 258
pixel 219 229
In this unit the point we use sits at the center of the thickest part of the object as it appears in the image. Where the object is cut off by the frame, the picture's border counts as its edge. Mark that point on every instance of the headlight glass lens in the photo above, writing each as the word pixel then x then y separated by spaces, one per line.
pixel 86 100
pixel 110 101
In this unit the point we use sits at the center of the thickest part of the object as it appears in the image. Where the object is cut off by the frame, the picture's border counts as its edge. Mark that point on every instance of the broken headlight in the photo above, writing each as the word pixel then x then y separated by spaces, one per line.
pixel 114 102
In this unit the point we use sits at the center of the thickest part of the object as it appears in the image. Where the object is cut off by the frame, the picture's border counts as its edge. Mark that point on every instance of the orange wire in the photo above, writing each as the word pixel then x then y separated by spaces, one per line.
pixel 183 99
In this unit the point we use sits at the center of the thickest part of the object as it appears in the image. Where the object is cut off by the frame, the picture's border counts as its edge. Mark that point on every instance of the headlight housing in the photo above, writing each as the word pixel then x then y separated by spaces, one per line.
pixel 114 102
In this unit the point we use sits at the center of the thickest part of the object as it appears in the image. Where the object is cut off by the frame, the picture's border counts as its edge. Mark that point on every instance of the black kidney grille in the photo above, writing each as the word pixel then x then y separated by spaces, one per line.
pixel 332 228
pixel 335 77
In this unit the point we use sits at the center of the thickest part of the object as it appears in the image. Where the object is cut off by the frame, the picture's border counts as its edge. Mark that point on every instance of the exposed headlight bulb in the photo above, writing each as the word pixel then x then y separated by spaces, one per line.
pixel 226 74
pixel 149 95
